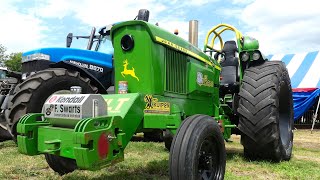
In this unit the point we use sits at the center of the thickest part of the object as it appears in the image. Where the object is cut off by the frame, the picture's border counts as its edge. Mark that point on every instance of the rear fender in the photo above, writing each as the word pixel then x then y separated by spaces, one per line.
pixel 102 88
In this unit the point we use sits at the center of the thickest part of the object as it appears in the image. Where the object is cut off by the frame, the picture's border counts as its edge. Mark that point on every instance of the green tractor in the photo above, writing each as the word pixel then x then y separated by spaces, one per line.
pixel 163 82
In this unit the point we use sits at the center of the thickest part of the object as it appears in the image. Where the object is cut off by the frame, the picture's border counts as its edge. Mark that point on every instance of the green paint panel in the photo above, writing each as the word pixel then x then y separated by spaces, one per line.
pixel 162 121
pixel 250 44
pixel 201 79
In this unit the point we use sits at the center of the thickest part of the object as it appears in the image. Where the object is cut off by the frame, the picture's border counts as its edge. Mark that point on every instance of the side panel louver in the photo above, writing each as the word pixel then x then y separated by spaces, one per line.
pixel 176 72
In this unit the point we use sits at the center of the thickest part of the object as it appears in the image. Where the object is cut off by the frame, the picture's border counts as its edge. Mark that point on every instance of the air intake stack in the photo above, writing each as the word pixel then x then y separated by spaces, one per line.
pixel 193 32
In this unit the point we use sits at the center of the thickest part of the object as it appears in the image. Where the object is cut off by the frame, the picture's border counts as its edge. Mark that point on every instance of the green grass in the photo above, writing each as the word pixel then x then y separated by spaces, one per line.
pixel 150 161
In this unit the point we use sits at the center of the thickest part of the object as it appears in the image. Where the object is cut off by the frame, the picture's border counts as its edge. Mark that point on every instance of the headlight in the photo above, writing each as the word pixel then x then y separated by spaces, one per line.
pixel 245 57
pixel 36 56
pixel 256 56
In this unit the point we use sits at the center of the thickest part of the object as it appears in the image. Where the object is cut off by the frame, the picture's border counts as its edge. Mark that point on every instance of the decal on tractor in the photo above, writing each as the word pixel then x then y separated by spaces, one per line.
pixel 87 66
pixel 127 71
pixel 75 106
pixel 203 80
pixel 154 106
pixel 115 106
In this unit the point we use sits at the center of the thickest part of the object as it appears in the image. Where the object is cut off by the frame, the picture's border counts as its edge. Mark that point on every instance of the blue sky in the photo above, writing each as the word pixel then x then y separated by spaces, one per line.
pixel 281 26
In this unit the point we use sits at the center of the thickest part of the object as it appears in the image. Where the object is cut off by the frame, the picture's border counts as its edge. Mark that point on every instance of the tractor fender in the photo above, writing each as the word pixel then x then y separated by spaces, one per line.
pixel 84 72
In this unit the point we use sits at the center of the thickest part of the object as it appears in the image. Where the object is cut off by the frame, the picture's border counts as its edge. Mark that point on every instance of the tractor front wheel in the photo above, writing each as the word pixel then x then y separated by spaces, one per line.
pixel 266 112
pixel 197 150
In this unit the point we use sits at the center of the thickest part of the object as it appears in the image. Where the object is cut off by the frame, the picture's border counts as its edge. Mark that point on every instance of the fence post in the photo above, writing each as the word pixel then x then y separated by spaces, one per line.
pixel 315 115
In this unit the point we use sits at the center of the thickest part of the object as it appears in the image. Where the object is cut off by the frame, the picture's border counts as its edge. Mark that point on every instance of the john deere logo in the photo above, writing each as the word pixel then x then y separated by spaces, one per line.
pixel 127 71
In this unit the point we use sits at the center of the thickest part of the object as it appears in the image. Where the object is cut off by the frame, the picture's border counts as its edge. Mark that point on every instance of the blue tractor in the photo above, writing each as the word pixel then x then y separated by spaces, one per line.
pixel 54 70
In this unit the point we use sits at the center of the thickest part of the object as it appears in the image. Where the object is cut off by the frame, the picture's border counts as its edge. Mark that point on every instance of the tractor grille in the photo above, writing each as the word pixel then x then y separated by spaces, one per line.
pixel 176 72
pixel 34 66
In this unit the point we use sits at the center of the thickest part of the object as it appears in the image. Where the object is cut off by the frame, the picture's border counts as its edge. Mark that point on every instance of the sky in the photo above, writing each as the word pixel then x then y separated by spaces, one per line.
pixel 281 26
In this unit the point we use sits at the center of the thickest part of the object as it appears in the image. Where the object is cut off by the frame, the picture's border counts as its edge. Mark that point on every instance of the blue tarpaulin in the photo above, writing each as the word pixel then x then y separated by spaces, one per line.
pixel 303 101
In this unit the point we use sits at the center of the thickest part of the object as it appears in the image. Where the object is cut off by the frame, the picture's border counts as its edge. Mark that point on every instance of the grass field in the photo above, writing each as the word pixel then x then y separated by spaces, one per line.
pixel 145 160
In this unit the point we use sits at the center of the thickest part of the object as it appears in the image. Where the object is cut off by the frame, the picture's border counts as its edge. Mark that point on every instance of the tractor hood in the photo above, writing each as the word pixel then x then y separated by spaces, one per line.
pixel 60 54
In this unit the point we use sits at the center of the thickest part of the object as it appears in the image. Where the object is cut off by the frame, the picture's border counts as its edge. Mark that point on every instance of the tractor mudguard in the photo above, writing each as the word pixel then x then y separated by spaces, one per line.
pixel 102 87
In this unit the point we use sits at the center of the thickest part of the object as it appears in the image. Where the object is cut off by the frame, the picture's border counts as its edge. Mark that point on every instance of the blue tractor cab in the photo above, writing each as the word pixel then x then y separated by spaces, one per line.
pixel 95 64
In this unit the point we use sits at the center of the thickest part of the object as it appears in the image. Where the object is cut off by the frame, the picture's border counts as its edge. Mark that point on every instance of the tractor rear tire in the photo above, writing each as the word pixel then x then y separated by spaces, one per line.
pixel 197 150
pixel 61 165
pixel 266 112
pixel 29 96
pixel 155 135
pixel 167 138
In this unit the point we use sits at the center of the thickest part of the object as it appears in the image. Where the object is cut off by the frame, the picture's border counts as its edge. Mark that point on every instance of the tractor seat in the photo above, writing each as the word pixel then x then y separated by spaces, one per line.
pixel 229 75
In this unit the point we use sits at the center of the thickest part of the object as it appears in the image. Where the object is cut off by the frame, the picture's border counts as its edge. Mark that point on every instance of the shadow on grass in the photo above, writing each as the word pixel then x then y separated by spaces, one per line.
pixel 143 139
pixel 234 152
pixel 153 170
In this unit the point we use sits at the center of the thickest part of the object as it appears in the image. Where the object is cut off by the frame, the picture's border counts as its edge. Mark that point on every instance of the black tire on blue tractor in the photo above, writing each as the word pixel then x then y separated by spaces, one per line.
pixel 197 150
pixel 29 96
pixel 266 112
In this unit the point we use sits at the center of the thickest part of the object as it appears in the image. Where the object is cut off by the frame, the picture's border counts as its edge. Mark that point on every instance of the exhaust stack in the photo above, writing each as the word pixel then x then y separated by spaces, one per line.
pixel 193 32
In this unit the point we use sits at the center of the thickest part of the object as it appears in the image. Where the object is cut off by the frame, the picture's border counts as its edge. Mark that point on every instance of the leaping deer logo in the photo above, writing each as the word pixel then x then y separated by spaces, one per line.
pixel 128 71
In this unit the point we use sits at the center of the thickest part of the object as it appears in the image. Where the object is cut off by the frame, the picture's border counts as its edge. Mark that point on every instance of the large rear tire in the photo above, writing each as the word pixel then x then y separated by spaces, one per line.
pixel 167 138
pixel 198 150
pixel 29 96
pixel 155 135
pixel 266 112
pixel 61 165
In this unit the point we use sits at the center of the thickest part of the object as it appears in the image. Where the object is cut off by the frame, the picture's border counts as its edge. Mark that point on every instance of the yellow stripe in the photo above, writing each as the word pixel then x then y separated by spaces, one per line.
pixel 184 50
pixel 217 67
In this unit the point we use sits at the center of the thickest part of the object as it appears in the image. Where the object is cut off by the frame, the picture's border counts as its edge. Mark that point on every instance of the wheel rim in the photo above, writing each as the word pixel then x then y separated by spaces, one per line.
pixel 208 165
pixel 284 114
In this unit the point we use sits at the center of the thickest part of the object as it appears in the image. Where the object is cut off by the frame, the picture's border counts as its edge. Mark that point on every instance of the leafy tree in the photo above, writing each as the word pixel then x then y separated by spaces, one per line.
pixel 3 55
pixel 13 62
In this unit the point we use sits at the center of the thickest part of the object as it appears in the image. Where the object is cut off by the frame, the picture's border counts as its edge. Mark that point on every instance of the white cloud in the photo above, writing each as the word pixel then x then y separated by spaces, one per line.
pixel 97 12
pixel 52 9
pixel 287 26
pixel 199 2
pixel 242 1
pixel 172 24
pixel 19 32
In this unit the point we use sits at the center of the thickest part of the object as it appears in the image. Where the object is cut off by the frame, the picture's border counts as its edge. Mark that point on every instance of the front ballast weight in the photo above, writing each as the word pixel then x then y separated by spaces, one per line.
pixel 77 128
pixel 87 136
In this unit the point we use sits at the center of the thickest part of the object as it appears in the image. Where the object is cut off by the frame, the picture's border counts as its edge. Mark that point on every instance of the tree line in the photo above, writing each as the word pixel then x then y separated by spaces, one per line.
pixel 12 61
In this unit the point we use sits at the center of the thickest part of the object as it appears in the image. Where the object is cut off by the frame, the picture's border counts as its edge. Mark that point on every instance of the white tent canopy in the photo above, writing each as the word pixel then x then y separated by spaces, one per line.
pixel 304 68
